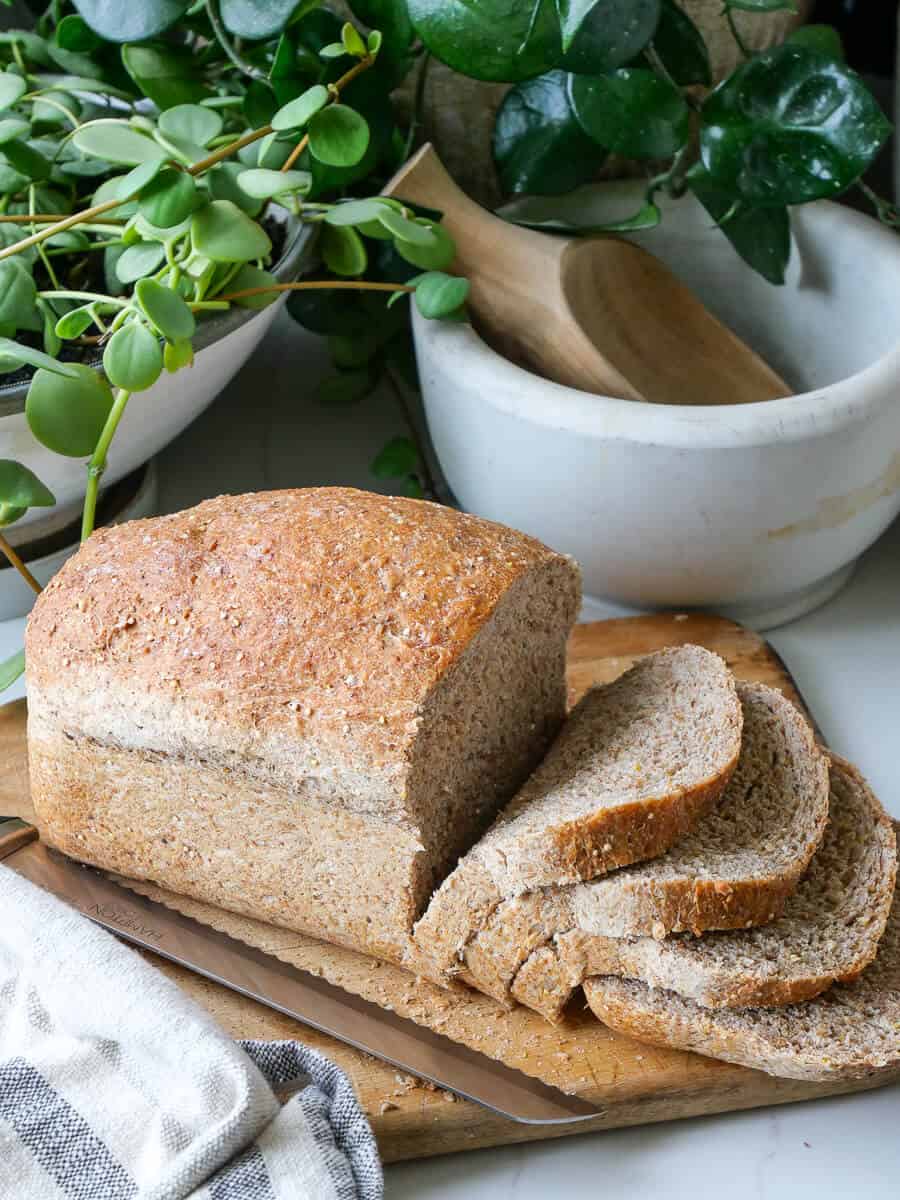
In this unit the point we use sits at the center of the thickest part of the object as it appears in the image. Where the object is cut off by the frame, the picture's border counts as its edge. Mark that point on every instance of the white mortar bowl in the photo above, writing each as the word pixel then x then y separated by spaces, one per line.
pixel 759 511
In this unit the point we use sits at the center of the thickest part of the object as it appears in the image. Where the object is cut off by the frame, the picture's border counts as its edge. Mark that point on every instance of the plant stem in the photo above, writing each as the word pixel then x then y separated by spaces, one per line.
pixel 215 20
pixel 226 151
pixel 15 561
pixel 360 285
pixel 736 33
pixel 41 218
pixel 335 89
pixel 45 99
pixel 64 294
pixel 296 152
pixel 58 227
pixel 97 464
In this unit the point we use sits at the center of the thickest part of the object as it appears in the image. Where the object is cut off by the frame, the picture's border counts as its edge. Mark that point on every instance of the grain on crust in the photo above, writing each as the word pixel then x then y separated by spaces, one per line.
pixel 851 1031
pixel 637 763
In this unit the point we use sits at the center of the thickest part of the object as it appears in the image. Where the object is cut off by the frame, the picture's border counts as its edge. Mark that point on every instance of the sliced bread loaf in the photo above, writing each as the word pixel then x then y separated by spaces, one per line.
pixel 851 1031
pixel 637 763
pixel 829 930
pixel 736 868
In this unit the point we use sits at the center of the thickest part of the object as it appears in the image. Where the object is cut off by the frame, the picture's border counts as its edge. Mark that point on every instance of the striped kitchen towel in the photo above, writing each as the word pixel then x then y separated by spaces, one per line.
pixel 115 1086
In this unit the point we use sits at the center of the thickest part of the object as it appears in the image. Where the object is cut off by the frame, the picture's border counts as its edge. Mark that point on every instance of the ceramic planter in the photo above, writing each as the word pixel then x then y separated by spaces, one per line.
pixel 153 418
pixel 758 511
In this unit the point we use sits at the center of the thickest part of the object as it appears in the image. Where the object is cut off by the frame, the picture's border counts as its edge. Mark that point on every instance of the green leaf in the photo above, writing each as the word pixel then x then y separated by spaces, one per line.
pixel 333 50
pixel 417 232
pixel 434 257
pixel 790 126
pixel 44 110
pixel 338 136
pixel 224 233
pixel 139 260
pixel 398 457
pixel 440 295
pixel 647 216
pixel 761 236
pixel 133 358
pixel 611 34
pixel 296 113
pixel 116 142
pixel 631 112
pixel 263 184
pixel 346 387
pixel 572 15
pixel 138 177
pixel 252 277
pixel 12 88
pixel 118 21
pixel 356 212
pixel 67 415
pixel 165 309
pixel 260 104
pixel 177 355
pixel 256 18
pixel 824 39
pixel 222 182
pixel 11 668
pixel 11 128
pixel 348 352
pixel 167 75
pixel 22 355
pixel 74 33
pixel 26 160
pixel 21 488
pixel 168 199
pixel 191 123
pixel 18 294
pixel 109 190
pixel 73 323
pixel 490 39
pixel 351 41
pixel 539 146
pixel 680 46
pixel 343 250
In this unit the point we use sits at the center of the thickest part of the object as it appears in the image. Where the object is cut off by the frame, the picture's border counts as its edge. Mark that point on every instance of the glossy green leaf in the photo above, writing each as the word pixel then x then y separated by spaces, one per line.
pixel 611 34
pixel 133 358
pixel 224 233
pixel 191 123
pixel 647 216
pixel 177 355
pixel 539 146
pixel 790 126
pixel 116 142
pixel 761 236
pixel 398 457
pixel 253 277
pixel 21 488
pixel 22 355
pixel 12 88
pixel 11 128
pixel 165 309
pixel 74 33
pixel 120 21
pixel 490 39
pixel 439 295
pixel 74 323
pixel 168 199
pixel 11 668
pixel 67 415
pixel 572 15
pixel 680 46
pixel 351 41
pixel 346 387
pixel 167 75
pixel 343 250
pixel 824 39
pixel 139 260
pixel 256 18
pixel 222 182
pixel 296 113
pixel 137 178
pixel 26 160
pixel 263 184
pixel 18 294
pixel 338 136
pixel 631 112
pixel 374 41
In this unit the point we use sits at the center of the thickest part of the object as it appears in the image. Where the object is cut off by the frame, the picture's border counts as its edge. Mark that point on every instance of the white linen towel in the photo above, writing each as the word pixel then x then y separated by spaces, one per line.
pixel 115 1086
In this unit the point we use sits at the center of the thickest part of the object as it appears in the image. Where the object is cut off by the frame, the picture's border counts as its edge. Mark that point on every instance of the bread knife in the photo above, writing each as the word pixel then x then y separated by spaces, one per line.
pixel 296 993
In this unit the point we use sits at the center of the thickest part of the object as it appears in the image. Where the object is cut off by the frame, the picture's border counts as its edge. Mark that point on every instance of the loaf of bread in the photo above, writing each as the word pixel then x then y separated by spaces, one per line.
pixel 298 705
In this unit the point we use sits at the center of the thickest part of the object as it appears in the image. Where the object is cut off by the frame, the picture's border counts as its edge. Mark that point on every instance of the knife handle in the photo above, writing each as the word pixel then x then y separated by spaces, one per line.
pixel 14 834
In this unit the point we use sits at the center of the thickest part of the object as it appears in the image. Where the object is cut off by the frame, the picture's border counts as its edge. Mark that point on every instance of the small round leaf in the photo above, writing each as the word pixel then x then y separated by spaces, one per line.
pixel 631 112
pixel 168 199
pixel 343 250
pixel 165 309
pixel 225 233
pixel 137 178
pixel 12 88
pixel 356 212
pixel 177 355
pixel 21 488
pixel 338 136
pixel 139 260
pixel 222 182
pixel 116 142
pixel 263 184
pixel 67 415
pixel 410 231
pixel 11 128
pixel 73 324
pixel 440 295
pixel 435 257
pixel 191 123
pixel 133 358
pixel 297 112
pixel 18 294
pixel 253 277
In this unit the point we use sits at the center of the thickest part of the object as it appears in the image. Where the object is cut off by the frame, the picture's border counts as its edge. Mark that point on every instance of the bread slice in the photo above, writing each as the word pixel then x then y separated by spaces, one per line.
pixel 829 930
pixel 851 1031
pixel 637 763
pixel 736 868
pixel 303 705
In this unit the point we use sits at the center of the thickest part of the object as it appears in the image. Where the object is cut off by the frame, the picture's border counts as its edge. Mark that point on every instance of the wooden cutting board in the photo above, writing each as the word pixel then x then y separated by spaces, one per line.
pixel 630 1082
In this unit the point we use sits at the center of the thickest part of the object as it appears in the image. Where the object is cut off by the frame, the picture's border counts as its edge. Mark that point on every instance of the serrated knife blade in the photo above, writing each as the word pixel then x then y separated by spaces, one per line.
pixel 289 990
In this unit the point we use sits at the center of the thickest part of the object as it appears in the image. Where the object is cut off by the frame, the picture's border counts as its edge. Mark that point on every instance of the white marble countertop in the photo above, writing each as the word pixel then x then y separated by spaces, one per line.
pixel 267 431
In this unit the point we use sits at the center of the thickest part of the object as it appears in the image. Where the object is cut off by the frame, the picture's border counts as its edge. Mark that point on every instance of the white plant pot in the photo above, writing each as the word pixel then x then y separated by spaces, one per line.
pixel 152 418
pixel 758 511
